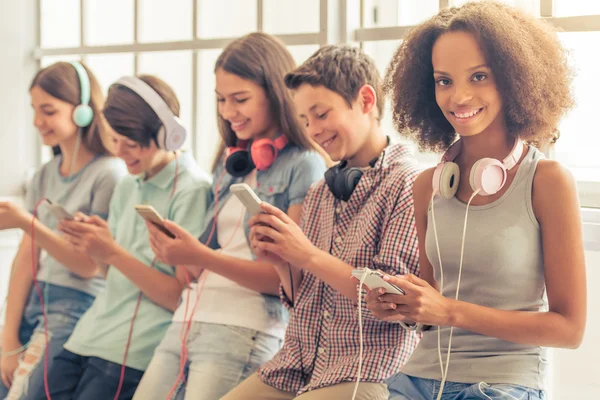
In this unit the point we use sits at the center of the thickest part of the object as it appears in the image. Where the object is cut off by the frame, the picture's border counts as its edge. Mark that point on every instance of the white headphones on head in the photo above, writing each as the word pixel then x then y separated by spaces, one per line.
pixel 172 133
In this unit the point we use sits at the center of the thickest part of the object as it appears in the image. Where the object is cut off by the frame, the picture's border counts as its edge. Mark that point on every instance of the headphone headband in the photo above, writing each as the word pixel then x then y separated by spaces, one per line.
pixel 509 162
pixel 84 82
pixel 173 132
pixel 150 96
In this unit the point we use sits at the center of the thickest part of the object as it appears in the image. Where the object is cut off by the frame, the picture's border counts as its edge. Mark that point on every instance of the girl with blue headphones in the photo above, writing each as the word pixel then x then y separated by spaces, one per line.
pixel 499 225
pixel 50 281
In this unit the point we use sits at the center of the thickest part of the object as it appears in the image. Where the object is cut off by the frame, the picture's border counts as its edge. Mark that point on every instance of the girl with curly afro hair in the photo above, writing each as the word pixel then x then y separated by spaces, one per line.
pixel 499 226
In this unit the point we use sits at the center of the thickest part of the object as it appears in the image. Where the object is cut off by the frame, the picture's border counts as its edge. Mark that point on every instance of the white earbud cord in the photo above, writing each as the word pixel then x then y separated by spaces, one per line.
pixel 360 330
pixel 462 252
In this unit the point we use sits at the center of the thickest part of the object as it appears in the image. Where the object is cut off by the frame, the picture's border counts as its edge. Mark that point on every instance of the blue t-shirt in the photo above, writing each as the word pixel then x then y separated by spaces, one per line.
pixel 103 330
pixel 88 191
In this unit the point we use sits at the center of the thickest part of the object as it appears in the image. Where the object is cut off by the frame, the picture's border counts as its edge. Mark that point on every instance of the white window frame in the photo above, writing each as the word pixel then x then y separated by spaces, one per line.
pixel 321 37
pixel 341 21
pixel 589 192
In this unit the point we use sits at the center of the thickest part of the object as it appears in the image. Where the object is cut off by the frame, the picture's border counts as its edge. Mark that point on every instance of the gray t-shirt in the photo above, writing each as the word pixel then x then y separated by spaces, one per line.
pixel 503 269
pixel 88 191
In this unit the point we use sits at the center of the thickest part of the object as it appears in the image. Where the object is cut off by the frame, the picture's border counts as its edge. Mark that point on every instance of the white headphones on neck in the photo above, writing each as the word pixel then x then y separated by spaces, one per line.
pixel 487 177
pixel 172 133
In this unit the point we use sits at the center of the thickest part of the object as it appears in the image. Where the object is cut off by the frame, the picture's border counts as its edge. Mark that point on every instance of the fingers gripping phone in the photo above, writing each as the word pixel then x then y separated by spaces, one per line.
pixel 375 280
pixel 151 215
pixel 59 212
pixel 248 198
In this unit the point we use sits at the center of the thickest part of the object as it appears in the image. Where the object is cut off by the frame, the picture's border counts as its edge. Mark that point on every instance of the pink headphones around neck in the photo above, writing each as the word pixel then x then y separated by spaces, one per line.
pixel 240 160
pixel 488 175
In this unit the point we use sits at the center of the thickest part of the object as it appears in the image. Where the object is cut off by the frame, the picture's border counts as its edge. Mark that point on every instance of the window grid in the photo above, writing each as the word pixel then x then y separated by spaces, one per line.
pixel 589 190
pixel 335 26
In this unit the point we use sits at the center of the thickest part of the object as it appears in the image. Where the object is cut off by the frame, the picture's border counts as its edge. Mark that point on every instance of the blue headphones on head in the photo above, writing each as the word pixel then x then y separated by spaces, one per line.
pixel 83 114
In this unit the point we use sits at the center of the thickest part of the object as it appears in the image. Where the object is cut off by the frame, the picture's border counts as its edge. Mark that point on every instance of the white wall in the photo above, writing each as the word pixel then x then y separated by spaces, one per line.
pixel 575 372
pixel 17 135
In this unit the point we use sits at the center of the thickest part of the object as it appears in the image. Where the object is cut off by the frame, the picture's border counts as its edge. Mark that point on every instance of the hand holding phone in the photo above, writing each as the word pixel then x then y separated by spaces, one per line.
pixel 150 214
pixel 375 280
pixel 59 212
pixel 248 198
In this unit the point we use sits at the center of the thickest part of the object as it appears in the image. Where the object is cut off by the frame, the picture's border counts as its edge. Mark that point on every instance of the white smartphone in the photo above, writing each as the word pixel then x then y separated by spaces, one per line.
pixel 151 215
pixel 248 198
pixel 59 212
pixel 375 280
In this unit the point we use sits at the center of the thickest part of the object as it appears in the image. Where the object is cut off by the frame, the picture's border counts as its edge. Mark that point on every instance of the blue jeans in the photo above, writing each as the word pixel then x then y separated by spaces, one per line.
pixel 404 387
pixel 65 307
pixel 75 377
pixel 219 358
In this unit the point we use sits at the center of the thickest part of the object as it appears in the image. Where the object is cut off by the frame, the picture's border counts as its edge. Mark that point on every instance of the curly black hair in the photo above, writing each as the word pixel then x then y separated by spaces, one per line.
pixel 529 64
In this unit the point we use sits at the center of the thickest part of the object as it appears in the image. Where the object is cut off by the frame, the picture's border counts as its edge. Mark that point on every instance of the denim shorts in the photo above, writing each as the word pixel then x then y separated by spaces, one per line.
pixel 219 358
pixel 404 387
pixel 64 308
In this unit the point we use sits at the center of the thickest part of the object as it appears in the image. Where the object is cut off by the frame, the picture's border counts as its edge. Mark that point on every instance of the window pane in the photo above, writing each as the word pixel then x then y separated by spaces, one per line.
pixel 567 8
pixel 379 13
pixel 164 21
pixel 382 52
pixel 100 14
pixel 109 67
pixel 530 6
pixel 580 137
pixel 49 60
pixel 207 135
pixel 284 16
pixel 175 68
pixel 60 25
pixel 226 18
pixel 301 53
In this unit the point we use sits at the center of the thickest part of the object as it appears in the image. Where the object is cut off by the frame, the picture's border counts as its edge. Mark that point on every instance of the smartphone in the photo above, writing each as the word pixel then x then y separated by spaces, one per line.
pixel 375 280
pixel 248 198
pixel 59 212
pixel 151 215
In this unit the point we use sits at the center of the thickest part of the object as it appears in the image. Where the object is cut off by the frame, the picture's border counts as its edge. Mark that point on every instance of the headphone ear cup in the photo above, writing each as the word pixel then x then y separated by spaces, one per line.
pixel 239 163
pixel 263 153
pixel 160 137
pixel 330 177
pixel 448 179
pixel 488 175
pixel 175 139
pixel 346 182
pixel 83 115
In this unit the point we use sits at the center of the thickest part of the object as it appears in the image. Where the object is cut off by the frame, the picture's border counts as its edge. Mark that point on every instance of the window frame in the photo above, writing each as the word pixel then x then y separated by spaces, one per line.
pixel 340 21
pixel 589 192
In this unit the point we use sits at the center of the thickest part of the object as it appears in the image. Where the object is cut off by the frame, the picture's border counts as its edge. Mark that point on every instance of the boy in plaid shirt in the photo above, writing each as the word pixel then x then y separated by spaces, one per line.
pixel 360 216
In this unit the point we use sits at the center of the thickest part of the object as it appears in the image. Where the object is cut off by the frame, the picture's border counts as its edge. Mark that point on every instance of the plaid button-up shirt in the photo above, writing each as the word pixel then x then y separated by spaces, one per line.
pixel 375 229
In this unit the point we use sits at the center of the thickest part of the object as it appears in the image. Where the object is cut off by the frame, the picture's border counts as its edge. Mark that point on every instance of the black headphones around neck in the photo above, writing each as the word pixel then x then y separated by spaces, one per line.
pixel 342 180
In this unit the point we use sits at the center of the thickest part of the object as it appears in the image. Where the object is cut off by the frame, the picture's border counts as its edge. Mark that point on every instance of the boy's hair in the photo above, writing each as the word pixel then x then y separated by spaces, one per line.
pixel 342 69
pixel 264 60
pixel 60 80
pixel 527 60
pixel 129 115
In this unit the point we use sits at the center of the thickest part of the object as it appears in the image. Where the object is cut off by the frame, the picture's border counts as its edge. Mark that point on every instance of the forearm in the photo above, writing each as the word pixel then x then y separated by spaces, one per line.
pixel 159 287
pixel 333 272
pixel 79 263
pixel 20 284
pixel 548 329
pixel 255 275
